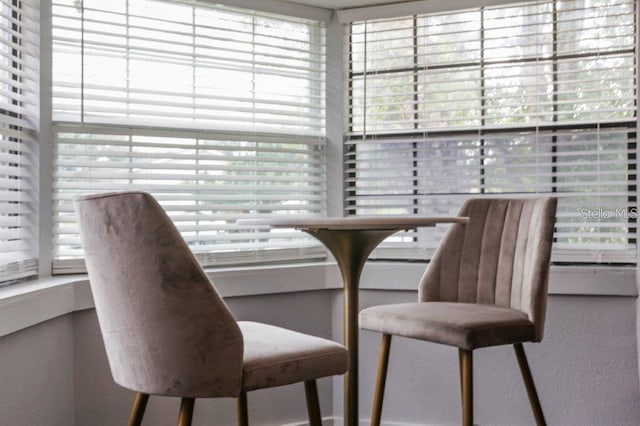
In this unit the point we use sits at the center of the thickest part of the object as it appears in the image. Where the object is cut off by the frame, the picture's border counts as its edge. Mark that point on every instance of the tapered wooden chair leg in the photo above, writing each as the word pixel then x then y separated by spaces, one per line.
pixel 186 411
pixel 137 411
pixel 243 410
pixel 383 363
pixel 313 404
pixel 528 382
pixel 466 379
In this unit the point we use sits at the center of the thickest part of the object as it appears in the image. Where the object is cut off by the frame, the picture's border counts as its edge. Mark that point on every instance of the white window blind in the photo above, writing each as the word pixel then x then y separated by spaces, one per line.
pixel 535 98
pixel 219 112
pixel 19 100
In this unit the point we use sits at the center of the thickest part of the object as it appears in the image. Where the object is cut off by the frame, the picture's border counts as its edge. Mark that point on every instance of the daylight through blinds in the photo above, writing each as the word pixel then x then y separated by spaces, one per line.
pixel 219 112
pixel 535 98
pixel 19 103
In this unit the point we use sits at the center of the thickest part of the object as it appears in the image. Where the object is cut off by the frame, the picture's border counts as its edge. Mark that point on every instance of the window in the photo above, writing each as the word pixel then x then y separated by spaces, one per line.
pixel 516 100
pixel 219 112
pixel 19 116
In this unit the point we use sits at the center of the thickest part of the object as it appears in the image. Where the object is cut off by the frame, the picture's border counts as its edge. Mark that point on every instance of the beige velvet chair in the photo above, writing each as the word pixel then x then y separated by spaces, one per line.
pixel 166 329
pixel 485 286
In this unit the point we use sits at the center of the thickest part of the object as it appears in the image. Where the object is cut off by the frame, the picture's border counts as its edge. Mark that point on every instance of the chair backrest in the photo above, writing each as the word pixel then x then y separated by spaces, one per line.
pixel 501 257
pixel 165 328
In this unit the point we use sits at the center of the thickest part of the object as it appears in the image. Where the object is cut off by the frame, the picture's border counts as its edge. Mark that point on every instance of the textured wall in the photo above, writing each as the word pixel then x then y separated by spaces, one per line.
pixel 100 402
pixel 585 370
pixel 36 375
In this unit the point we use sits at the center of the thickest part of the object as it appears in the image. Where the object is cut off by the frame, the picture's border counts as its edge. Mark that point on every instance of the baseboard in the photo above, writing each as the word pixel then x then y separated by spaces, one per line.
pixel 326 421
pixel 338 421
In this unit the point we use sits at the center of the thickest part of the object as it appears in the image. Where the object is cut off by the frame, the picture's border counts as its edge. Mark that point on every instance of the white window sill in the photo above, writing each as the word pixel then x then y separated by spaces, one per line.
pixel 569 280
pixel 26 304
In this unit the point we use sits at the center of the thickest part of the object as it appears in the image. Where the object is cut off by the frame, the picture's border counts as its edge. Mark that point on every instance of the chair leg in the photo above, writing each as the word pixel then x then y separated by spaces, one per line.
pixel 137 411
pixel 461 382
pixel 313 405
pixel 243 411
pixel 186 411
pixel 383 363
pixel 528 382
pixel 466 380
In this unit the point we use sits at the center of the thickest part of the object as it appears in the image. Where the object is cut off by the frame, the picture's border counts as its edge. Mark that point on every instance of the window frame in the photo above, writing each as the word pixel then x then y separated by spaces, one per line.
pixel 308 248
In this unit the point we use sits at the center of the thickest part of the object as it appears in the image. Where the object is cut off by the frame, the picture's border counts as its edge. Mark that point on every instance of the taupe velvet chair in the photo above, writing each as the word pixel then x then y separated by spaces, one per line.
pixel 166 329
pixel 485 286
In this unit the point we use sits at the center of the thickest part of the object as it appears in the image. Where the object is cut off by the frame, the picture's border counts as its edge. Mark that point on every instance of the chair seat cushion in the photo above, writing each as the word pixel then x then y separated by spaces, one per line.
pixel 465 325
pixel 275 356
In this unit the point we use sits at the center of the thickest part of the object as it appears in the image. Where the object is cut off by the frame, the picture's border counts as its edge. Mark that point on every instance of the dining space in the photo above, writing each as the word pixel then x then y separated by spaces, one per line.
pixel 351 240
pixel 167 331
pixel 319 212
pixel 423 379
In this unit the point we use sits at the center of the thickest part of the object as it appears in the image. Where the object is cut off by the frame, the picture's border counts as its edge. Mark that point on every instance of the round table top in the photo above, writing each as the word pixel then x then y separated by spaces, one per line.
pixel 355 222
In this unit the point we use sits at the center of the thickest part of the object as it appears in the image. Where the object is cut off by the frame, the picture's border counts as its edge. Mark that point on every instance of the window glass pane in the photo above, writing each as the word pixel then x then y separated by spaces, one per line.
pixel 440 156
pixel 596 88
pixel 519 93
pixel 522 31
pixel 450 97
pixel 447 39
pixel 517 163
pixel 386 103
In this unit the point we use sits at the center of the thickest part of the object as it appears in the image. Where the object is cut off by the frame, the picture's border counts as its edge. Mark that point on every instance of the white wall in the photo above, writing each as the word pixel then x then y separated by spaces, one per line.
pixel 100 402
pixel 585 370
pixel 36 375
pixel 55 373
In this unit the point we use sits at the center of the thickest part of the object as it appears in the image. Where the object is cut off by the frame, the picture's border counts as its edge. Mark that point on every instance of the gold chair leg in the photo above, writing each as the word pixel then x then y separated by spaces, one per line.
pixel 466 379
pixel 137 411
pixel 313 405
pixel 186 411
pixel 461 383
pixel 243 411
pixel 383 363
pixel 528 382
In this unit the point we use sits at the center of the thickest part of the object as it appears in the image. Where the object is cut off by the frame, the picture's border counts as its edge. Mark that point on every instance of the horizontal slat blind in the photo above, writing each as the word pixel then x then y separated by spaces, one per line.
pixel 205 182
pixel 186 64
pixel 517 100
pixel 218 112
pixel 19 100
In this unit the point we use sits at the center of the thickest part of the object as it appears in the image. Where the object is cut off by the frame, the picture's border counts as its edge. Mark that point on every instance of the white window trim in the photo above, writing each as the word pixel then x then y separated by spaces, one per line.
pixel 393 10
pixel 45 206
pixel 29 303
pixel 283 8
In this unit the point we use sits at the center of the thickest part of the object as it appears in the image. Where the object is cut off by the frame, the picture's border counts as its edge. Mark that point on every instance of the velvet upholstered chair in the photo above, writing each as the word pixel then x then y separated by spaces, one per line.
pixel 166 329
pixel 485 286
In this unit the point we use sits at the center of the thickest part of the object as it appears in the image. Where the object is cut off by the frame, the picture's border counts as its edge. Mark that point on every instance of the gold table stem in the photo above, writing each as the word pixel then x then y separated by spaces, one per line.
pixel 351 248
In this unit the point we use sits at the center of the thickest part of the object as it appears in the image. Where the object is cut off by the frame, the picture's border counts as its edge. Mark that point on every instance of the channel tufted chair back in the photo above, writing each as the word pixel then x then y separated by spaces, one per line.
pixel 165 328
pixel 501 257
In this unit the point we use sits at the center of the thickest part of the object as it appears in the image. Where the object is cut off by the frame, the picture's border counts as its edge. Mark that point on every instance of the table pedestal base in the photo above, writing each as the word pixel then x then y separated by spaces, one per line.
pixel 351 248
